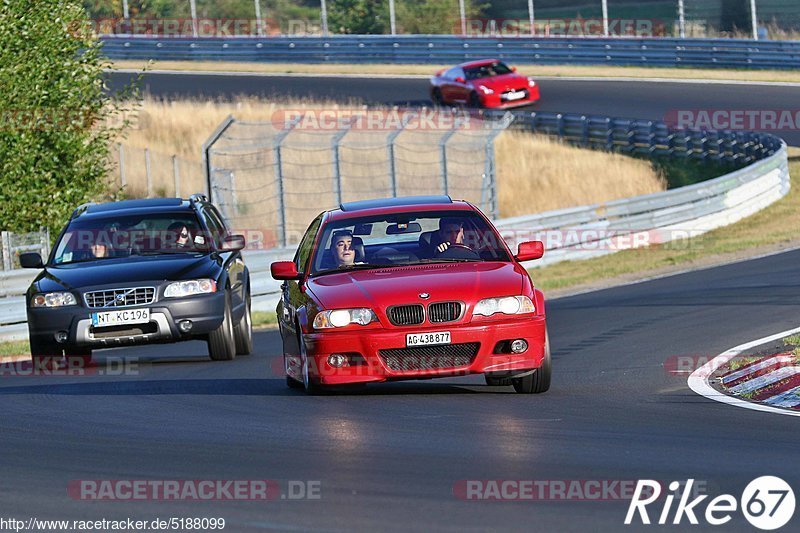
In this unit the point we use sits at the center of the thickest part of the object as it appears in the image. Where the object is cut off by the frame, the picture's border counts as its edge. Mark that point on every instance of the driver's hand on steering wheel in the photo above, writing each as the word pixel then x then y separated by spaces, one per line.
pixel 442 247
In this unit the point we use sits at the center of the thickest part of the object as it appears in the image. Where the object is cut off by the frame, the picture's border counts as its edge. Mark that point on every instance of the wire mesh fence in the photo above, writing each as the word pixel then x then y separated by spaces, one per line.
pixel 274 177
pixel 775 19
pixel 13 244
pixel 144 173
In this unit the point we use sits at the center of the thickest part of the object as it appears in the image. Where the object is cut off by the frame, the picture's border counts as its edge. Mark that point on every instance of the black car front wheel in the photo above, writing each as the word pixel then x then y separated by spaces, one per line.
pixel 45 355
pixel 78 357
pixel 221 342
pixel 243 331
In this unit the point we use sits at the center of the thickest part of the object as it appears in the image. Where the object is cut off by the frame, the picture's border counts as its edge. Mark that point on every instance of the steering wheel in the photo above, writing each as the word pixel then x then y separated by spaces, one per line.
pixel 458 251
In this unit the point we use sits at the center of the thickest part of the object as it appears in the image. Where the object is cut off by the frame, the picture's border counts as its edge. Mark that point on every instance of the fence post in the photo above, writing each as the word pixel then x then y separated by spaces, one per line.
pixel 44 241
pixel 6 238
pixel 147 172
pixel 443 155
pixel 206 148
pixel 392 162
pixel 121 164
pixel 176 175
pixel 681 19
pixel 337 170
pixel 489 173
pixel 278 169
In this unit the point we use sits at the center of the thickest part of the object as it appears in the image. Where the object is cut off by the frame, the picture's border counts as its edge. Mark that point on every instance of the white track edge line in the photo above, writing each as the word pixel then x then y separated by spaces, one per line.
pixel 698 381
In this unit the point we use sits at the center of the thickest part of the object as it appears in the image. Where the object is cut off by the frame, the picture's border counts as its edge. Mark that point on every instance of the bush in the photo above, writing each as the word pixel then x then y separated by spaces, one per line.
pixel 358 17
pixel 56 119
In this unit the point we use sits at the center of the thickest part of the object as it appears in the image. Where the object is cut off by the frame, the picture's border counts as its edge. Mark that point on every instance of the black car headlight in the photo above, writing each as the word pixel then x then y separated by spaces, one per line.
pixel 54 299
pixel 180 289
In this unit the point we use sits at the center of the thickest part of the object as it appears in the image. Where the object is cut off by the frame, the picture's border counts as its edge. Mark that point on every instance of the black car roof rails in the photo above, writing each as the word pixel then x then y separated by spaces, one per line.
pixel 81 209
pixel 198 197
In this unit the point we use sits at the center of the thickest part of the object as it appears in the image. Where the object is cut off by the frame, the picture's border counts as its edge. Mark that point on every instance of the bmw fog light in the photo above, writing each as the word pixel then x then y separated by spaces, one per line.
pixel 337 360
pixel 519 346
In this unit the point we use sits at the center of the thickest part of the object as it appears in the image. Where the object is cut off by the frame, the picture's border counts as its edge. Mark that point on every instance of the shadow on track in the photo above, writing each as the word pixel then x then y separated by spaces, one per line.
pixel 238 387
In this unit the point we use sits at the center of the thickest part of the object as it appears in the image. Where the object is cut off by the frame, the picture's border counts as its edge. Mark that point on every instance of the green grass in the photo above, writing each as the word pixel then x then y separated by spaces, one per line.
pixel 264 319
pixel 10 349
pixel 793 342
pixel 775 225
pixel 739 362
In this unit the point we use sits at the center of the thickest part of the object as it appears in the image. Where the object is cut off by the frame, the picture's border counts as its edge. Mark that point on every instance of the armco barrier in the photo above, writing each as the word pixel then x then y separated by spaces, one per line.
pixel 595 229
pixel 445 49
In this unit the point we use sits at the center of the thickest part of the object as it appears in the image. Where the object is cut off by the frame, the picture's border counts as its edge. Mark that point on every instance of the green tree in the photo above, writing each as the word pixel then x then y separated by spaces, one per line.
pixel 359 17
pixel 56 118
pixel 434 16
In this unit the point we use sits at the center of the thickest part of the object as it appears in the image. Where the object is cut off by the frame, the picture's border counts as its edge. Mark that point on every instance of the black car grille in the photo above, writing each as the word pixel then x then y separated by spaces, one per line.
pixel 120 297
pixel 444 312
pixel 430 357
pixel 406 315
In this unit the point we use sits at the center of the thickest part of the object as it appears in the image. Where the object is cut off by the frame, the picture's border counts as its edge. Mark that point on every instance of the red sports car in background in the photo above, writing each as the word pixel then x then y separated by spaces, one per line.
pixel 410 288
pixel 486 83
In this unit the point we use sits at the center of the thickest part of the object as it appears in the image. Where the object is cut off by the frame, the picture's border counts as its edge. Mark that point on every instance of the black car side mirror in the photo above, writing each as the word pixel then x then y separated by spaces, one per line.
pixel 233 243
pixel 30 260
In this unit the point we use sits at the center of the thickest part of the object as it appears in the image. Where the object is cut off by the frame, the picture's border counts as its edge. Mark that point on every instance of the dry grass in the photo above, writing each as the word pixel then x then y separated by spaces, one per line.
pixel 580 71
pixel 536 174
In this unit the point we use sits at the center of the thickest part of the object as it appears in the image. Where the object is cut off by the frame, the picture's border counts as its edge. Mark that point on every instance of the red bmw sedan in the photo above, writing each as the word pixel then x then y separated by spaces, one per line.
pixel 410 288
pixel 486 83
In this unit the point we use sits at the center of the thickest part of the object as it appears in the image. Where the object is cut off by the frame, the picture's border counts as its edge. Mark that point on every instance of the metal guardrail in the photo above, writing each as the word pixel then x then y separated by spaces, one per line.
pixel 444 49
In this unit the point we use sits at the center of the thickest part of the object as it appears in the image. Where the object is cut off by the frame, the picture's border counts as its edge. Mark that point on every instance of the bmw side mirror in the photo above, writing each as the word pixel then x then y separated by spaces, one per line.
pixel 513 69
pixel 30 260
pixel 528 251
pixel 233 243
pixel 284 270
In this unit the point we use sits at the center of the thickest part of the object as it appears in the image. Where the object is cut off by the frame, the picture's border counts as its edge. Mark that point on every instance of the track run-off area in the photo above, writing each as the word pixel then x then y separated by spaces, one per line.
pixel 397 456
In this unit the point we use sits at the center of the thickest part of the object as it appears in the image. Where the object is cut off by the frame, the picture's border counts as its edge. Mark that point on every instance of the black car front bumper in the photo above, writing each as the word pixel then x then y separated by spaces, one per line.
pixel 206 312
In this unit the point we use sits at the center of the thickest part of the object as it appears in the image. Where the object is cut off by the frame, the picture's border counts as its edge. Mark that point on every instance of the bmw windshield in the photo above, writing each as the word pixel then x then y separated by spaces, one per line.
pixel 407 239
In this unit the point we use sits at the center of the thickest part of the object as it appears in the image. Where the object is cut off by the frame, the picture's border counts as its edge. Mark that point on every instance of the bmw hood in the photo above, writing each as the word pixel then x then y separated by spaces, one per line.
pixel 381 288
pixel 128 271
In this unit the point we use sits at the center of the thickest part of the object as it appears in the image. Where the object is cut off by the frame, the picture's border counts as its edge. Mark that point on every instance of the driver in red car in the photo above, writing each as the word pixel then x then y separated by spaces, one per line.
pixel 451 231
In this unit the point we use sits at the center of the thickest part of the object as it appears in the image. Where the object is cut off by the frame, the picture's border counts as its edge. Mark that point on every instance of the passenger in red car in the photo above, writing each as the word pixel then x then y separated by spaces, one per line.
pixel 342 248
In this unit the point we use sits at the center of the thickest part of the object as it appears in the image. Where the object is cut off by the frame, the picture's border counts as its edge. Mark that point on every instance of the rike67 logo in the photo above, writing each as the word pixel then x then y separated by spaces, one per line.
pixel 767 503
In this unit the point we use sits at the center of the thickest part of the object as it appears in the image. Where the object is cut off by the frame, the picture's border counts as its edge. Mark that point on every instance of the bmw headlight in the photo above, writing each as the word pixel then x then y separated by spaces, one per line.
pixel 54 299
pixel 485 90
pixel 339 318
pixel 509 305
pixel 190 288
pixel 531 83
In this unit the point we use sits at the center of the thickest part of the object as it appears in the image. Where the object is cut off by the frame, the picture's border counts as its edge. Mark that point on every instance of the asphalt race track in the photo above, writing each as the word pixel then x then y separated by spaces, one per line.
pixel 623 99
pixel 389 458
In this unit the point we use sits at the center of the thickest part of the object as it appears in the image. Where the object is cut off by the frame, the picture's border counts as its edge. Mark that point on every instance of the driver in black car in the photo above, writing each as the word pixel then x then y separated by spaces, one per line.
pixel 451 231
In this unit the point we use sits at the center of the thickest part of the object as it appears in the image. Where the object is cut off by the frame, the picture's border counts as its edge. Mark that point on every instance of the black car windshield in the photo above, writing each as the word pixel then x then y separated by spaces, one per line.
pixel 487 71
pixel 98 238
pixel 407 239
